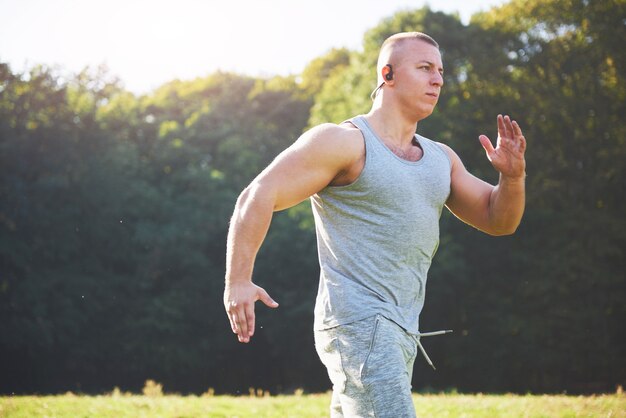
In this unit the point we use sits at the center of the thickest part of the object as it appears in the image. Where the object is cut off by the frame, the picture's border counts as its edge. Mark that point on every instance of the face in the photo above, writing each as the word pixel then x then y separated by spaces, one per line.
pixel 418 77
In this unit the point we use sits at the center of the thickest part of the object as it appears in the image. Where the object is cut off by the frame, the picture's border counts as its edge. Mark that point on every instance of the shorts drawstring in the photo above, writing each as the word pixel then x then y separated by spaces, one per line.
pixel 429 334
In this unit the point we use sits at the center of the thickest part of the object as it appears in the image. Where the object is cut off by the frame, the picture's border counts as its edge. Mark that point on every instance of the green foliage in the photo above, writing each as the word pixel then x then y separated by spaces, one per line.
pixel 114 211
pixel 114 216
pixel 302 406
pixel 317 71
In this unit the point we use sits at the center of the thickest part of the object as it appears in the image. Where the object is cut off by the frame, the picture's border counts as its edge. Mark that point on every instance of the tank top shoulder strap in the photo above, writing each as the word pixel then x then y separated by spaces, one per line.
pixel 360 123
pixel 434 148
pixel 371 141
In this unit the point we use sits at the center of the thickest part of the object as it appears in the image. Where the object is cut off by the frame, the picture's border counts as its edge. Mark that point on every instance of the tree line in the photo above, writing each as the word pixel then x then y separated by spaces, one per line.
pixel 114 210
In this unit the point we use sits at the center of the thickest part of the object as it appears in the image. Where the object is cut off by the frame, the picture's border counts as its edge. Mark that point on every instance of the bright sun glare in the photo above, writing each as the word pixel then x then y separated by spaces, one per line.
pixel 147 43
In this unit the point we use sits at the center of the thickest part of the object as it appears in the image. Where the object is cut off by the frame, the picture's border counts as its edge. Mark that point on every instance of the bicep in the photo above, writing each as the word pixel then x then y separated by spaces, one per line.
pixel 300 171
pixel 470 196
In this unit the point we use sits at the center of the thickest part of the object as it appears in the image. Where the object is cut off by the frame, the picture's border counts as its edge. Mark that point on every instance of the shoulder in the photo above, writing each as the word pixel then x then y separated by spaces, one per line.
pixel 343 141
pixel 454 158
pixel 331 133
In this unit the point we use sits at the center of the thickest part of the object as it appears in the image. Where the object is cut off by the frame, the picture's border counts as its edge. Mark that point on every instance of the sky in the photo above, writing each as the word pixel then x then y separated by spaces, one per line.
pixel 149 42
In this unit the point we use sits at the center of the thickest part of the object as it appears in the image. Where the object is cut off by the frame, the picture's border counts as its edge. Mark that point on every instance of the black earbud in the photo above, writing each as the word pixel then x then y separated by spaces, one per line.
pixel 389 75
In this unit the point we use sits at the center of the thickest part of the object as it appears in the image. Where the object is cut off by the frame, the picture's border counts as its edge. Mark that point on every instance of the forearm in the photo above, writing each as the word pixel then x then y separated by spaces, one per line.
pixel 248 228
pixel 506 205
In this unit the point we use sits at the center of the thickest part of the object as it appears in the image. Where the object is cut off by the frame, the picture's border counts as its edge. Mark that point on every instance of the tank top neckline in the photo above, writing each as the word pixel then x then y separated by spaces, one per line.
pixel 370 130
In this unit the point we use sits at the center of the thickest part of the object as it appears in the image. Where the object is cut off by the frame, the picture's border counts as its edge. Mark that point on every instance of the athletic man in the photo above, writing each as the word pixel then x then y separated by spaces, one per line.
pixel 377 190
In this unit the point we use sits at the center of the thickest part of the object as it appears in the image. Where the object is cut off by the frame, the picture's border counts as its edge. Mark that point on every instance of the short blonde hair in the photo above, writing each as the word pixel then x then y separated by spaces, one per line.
pixel 402 36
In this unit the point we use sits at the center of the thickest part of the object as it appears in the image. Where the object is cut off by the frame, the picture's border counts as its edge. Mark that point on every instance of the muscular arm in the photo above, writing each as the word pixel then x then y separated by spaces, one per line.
pixel 496 210
pixel 306 167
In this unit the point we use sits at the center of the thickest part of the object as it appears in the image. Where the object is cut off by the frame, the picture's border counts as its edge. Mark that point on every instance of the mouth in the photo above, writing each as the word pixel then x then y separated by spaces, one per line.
pixel 434 95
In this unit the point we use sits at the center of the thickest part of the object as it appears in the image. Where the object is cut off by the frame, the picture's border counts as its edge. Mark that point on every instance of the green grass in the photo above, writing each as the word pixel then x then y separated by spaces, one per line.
pixel 441 406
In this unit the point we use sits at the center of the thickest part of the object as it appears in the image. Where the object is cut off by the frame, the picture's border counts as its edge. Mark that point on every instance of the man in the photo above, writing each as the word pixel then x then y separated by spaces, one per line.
pixel 377 190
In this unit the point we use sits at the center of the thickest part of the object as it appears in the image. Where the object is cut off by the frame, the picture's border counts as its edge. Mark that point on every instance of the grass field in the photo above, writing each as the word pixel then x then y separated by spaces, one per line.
pixel 118 405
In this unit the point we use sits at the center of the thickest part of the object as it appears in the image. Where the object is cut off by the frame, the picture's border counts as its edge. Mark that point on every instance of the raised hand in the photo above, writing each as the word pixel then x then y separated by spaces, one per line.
pixel 508 155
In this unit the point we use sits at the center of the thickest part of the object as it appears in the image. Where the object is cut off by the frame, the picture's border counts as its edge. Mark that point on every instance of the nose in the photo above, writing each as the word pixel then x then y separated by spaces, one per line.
pixel 437 79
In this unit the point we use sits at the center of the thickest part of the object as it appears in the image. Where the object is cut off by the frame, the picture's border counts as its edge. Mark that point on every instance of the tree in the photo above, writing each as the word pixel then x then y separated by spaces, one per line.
pixel 114 211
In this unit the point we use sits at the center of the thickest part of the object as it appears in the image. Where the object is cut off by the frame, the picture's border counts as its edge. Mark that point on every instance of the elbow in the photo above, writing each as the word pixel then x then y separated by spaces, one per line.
pixel 242 202
pixel 245 201
pixel 244 196
pixel 503 231
pixel 256 196
pixel 504 225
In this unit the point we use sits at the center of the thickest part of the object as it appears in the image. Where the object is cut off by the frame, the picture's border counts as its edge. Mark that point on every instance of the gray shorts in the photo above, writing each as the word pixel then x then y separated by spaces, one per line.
pixel 370 364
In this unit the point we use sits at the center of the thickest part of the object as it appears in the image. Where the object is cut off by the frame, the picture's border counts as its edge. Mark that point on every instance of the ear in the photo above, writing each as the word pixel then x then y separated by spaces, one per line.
pixel 387 73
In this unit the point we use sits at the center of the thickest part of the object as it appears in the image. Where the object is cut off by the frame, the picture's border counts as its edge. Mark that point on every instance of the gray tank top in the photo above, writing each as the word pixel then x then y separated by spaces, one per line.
pixel 376 237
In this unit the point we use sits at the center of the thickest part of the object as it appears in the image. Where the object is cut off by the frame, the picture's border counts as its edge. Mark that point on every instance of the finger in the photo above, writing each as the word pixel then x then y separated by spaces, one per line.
pixel 516 129
pixel 507 125
pixel 266 299
pixel 508 128
pixel 518 132
pixel 233 322
pixel 486 143
pixel 243 327
pixel 501 129
pixel 519 136
pixel 250 319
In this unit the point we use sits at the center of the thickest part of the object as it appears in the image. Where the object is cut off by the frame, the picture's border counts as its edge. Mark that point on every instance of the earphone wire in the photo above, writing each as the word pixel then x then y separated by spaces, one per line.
pixel 375 91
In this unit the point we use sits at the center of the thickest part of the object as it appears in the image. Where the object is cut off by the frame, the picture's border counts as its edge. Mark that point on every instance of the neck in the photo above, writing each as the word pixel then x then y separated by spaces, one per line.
pixel 392 125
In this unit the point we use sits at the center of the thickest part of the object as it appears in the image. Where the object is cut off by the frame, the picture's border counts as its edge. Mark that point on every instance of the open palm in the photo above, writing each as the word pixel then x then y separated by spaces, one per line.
pixel 508 155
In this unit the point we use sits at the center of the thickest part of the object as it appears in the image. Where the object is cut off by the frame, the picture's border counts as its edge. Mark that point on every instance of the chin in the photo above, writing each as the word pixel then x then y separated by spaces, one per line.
pixel 424 113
